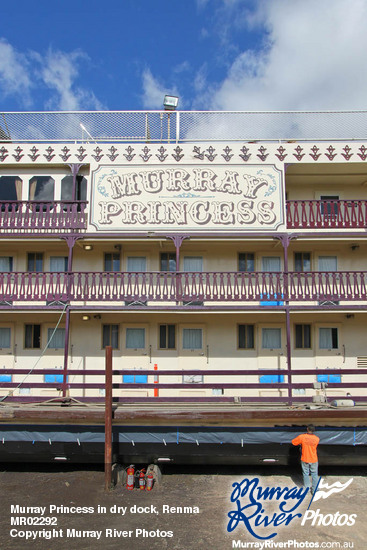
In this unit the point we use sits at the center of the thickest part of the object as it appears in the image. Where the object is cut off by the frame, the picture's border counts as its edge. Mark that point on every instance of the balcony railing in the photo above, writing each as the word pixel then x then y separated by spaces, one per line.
pixel 84 383
pixel 34 216
pixel 63 216
pixel 192 288
pixel 326 214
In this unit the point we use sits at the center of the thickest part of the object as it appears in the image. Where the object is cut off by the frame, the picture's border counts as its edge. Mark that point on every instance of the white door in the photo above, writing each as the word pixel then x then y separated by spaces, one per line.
pixel 136 283
pixel 328 280
pixel 136 357
pixel 192 281
pixel 193 356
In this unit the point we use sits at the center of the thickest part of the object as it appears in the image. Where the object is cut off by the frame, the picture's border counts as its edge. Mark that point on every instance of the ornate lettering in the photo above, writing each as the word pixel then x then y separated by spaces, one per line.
pixel 253 185
pixel 222 213
pixel 175 212
pixel 152 181
pixel 199 212
pixel 266 214
pixel 230 183
pixel 178 180
pixel 204 179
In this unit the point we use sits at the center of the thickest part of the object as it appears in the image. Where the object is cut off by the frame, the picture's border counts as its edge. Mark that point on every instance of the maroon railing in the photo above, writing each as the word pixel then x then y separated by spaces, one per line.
pixel 65 215
pixel 326 214
pixel 41 215
pixel 190 288
pixel 212 379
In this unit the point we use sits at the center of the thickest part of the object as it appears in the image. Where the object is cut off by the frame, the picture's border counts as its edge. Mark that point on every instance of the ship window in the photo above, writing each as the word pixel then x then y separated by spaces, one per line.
pixel 41 188
pixel 6 264
pixel 56 340
pixel 328 338
pixel 303 336
pixel 112 261
pixel 302 261
pixel 35 261
pixel 135 338
pixel 192 338
pixel 328 263
pixel 32 336
pixel 110 336
pixel 5 333
pixel 167 336
pixel 58 264
pixel 136 263
pixel 246 261
pixel 329 205
pixel 67 188
pixel 193 263
pixel 271 264
pixel 246 336
pixel 10 188
pixel 168 261
pixel 271 338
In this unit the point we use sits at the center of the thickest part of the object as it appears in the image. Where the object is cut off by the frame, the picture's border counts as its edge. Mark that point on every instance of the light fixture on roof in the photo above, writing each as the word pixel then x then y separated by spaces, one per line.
pixel 86 317
pixel 170 102
pixel 88 246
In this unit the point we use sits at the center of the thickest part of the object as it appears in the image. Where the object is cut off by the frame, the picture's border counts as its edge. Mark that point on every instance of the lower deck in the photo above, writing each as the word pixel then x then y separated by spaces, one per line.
pixel 190 433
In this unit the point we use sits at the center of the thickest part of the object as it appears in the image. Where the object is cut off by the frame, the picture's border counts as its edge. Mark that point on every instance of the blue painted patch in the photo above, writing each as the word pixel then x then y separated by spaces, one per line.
pixel 55 378
pixel 329 378
pixel 5 378
pixel 271 378
pixel 268 302
pixel 135 378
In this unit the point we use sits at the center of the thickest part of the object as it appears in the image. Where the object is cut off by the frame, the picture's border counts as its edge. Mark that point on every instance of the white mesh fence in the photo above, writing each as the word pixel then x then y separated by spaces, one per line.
pixel 163 126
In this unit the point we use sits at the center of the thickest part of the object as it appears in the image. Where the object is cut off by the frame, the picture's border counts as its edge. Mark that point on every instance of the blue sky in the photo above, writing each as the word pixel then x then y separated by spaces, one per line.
pixel 214 54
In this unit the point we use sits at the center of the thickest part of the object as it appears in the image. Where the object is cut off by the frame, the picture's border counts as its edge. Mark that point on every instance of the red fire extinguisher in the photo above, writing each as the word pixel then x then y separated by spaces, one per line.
pixel 142 479
pixel 130 477
pixel 149 485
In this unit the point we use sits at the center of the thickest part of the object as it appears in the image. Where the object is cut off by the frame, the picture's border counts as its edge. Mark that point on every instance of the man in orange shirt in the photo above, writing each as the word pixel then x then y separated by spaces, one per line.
pixel 309 460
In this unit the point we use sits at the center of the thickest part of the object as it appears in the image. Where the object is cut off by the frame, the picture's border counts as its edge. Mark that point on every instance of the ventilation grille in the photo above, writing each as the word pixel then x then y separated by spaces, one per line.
pixel 362 362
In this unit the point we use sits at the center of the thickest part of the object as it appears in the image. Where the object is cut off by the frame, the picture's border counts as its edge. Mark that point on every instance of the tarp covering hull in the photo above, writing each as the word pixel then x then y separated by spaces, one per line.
pixel 181 445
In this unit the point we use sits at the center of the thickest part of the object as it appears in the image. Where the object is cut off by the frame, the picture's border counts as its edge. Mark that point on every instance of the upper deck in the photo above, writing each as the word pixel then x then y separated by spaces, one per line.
pixel 196 173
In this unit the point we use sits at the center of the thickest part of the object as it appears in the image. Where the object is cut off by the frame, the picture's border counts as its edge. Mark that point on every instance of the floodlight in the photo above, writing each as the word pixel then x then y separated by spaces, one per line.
pixel 170 102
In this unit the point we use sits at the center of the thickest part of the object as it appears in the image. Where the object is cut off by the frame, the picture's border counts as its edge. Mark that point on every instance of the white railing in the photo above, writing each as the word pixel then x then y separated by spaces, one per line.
pixel 166 127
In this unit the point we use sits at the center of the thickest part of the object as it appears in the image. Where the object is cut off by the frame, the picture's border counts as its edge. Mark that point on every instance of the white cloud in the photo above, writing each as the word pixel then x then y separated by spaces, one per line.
pixel 314 58
pixel 182 68
pixel 59 71
pixel 55 74
pixel 14 73
pixel 154 91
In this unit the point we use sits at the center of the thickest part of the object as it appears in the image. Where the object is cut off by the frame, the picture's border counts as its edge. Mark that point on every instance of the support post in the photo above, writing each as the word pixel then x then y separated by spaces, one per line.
pixel 66 353
pixel 70 241
pixel 289 356
pixel 285 240
pixel 177 241
pixel 108 420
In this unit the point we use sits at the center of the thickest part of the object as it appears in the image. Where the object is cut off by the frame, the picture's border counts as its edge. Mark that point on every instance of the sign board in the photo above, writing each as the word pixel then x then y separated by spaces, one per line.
pixel 189 198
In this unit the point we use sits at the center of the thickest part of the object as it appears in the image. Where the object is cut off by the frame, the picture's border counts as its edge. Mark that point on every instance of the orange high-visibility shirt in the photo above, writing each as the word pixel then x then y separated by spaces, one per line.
pixel 308 443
